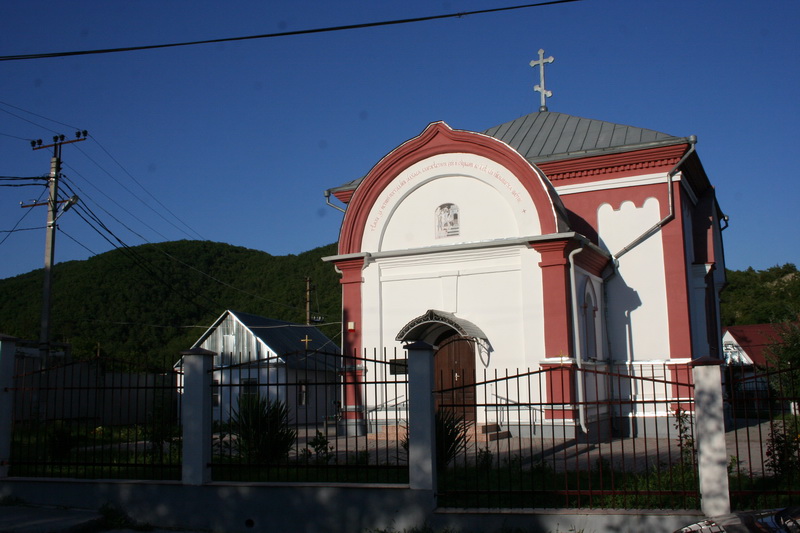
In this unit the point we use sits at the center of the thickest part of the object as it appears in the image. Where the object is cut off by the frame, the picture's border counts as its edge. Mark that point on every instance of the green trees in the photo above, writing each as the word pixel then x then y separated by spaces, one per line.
pixel 761 296
pixel 148 303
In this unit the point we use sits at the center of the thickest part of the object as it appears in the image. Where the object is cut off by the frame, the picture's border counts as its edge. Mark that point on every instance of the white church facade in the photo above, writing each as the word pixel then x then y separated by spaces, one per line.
pixel 549 242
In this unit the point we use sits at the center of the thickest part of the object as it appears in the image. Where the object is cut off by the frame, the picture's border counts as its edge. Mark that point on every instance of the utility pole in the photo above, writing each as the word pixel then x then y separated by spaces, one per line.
pixel 50 235
pixel 309 317
pixel 308 301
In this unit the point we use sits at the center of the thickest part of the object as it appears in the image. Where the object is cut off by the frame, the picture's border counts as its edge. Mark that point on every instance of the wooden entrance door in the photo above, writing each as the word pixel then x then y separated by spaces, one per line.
pixel 454 364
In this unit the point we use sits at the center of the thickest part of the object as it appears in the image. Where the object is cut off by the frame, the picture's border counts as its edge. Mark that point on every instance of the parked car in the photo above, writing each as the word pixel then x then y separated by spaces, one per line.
pixel 784 520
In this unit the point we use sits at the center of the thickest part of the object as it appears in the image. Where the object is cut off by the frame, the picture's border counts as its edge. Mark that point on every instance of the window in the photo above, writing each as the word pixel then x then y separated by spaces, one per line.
pixel 215 396
pixel 302 393
pixel 589 321
pixel 248 387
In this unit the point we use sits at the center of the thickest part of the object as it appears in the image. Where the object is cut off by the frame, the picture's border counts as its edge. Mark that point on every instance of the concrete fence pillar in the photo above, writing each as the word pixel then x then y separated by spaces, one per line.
pixel 196 416
pixel 712 455
pixel 422 425
pixel 8 350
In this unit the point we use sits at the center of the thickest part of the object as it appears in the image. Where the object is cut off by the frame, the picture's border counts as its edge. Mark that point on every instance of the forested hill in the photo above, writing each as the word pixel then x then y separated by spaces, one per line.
pixel 141 303
pixel 761 296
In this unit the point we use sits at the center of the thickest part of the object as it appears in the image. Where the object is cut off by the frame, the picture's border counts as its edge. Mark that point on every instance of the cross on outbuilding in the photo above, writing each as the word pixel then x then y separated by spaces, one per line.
pixel 540 88
pixel 306 340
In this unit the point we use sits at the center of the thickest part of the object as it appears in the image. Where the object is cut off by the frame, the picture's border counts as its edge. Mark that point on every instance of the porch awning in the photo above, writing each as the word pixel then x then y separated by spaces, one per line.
pixel 433 324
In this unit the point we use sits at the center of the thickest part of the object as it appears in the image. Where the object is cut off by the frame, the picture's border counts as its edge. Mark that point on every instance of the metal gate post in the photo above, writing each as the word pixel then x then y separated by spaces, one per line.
pixel 712 455
pixel 8 349
pixel 196 416
pixel 422 430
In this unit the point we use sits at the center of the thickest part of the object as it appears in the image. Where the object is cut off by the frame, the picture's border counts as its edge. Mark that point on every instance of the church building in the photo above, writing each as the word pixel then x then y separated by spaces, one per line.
pixel 547 242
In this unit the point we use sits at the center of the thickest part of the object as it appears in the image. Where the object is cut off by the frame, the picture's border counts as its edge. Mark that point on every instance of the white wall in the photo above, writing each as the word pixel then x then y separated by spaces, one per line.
pixel 492 204
pixel 636 295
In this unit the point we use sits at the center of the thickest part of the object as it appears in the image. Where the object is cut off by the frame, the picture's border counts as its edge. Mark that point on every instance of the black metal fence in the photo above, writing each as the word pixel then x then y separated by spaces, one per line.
pixel 601 437
pixel 311 416
pixel 95 419
pixel 764 435
pixel 597 436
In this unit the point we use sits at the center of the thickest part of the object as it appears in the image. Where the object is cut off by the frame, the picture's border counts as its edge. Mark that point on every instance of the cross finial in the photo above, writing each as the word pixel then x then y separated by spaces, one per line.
pixel 540 88
pixel 306 340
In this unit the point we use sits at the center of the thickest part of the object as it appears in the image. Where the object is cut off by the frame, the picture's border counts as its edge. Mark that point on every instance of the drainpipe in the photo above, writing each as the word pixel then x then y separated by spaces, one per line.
pixel 328 201
pixel 576 340
pixel 671 196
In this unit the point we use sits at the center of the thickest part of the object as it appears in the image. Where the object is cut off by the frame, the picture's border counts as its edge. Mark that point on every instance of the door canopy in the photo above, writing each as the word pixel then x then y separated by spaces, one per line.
pixel 431 326
pixel 436 140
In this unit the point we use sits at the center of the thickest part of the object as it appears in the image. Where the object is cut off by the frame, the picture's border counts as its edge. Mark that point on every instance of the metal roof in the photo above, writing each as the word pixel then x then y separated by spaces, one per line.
pixel 549 136
pixel 284 339
pixel 433 323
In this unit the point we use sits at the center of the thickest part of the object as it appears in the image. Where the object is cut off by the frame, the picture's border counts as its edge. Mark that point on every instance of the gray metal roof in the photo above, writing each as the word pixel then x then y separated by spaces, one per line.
pixel 549 136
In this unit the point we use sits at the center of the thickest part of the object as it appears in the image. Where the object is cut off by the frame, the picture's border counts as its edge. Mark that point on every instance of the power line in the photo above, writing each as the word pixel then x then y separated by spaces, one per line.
pixel 20 229
pixel 36 115
pixel 22 217
pixel 28 121
pixel 76 241
pixel 14 136
pixel 118 205
pixel 137 182
pixel 280 34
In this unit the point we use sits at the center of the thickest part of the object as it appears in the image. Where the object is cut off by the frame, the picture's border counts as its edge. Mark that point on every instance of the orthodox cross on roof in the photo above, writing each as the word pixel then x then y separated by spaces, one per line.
pixel 540 88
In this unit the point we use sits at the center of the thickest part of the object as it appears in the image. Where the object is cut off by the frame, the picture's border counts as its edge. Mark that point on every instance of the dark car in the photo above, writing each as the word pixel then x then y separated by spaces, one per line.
pixel 785 520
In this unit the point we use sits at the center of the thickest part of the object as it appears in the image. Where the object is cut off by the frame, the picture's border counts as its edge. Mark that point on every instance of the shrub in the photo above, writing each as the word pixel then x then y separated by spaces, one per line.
pixel 783 449
pixel 451 436
pixel 262 429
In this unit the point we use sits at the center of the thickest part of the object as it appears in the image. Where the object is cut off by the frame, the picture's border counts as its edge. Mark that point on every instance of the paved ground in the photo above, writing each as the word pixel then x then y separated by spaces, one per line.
pixel 26 519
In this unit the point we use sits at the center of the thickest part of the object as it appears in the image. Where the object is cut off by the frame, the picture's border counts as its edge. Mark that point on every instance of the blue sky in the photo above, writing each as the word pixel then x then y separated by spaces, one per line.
pixel 236 142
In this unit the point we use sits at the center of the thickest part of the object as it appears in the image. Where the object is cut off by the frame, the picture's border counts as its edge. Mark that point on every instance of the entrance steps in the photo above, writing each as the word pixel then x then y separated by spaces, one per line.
pixel 493 432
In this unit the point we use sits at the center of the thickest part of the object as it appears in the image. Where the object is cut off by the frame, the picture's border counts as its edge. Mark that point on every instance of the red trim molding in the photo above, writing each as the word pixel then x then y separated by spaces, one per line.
pixel 618 165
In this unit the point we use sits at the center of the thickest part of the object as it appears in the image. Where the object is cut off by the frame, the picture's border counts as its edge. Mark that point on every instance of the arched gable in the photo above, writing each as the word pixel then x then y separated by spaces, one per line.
pixel 437 139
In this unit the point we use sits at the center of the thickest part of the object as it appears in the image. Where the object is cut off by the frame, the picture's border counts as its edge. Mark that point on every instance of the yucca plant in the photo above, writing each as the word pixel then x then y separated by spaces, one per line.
pixel 451 436
pixel 262 429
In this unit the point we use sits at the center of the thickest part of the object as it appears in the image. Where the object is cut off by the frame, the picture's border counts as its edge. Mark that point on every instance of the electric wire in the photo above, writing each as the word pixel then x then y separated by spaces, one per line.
pixel 108 173
pixel 328 29
pixel 173 258
pixel 20 229
pixel 86 195
pixel 44 190
pixel 14 136
pixel 151 195
pixel 125 187
pixel 40 116
pixel 76 241
pixel 131 254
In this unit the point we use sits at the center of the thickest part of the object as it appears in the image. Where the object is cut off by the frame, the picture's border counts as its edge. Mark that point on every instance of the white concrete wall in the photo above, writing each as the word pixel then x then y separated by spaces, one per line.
pixel 496 287
pixel 636 295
